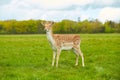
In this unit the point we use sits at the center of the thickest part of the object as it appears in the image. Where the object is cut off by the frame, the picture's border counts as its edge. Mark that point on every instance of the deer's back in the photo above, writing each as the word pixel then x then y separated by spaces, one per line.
pixel 66 39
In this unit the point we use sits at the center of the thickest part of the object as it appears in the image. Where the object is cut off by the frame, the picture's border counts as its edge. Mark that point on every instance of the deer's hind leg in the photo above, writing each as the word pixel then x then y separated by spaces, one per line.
pixel 78 52
pixel 77 55
pixel 81 54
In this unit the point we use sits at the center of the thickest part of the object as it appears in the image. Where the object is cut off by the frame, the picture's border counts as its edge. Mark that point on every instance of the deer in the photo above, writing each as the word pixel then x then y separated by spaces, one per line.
pixel 61 42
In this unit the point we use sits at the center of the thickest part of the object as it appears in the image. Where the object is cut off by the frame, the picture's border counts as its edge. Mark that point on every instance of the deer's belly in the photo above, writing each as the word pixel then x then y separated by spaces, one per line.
pixel 67 46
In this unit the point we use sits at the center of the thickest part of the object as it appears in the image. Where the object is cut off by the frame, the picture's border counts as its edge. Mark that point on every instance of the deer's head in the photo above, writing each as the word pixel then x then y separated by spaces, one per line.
pixel 47 25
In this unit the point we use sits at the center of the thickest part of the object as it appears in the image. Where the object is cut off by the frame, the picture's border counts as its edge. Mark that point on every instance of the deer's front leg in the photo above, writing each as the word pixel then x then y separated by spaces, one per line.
pixel 53 60
pixel 57 58
pixel 81 54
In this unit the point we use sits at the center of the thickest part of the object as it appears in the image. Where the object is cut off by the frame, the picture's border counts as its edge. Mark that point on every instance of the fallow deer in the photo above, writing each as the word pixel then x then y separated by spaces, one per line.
pixel 61 42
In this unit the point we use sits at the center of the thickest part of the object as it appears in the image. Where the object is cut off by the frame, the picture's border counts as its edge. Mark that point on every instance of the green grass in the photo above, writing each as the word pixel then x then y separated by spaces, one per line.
pixel 28 57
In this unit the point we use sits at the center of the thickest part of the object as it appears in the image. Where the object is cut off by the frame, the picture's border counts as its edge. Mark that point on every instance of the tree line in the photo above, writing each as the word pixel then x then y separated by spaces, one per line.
pixel 65 26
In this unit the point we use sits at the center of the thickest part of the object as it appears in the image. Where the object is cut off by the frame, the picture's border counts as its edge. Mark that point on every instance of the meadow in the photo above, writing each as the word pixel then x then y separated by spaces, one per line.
pixel 29 57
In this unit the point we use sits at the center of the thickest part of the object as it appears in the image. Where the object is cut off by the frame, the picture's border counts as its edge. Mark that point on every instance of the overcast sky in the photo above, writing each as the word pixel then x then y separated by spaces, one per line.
pixel 57 10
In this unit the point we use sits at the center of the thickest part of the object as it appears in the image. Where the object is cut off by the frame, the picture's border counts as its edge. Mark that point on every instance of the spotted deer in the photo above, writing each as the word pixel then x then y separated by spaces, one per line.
pixel 61 42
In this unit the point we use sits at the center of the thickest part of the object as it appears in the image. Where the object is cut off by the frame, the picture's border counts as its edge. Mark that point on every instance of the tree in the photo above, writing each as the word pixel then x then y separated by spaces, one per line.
pixel 118 27
pixel 65 26
pixel 109 27
pixel 40 27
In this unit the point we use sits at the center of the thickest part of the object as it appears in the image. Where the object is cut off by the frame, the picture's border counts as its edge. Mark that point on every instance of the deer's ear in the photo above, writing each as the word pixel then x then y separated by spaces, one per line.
pixel 52 22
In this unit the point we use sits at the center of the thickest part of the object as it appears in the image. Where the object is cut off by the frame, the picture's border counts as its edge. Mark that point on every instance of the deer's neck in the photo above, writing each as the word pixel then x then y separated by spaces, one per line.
pixel 50 38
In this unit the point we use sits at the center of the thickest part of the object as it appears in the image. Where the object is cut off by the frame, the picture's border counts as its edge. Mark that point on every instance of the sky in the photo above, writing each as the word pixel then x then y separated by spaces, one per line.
pixel 57 10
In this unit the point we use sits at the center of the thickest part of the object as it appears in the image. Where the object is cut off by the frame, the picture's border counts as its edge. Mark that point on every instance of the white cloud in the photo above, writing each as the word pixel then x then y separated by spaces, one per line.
pixel 18 10
pixel 58 4
pixel 59 9
pixel 109 14
pixel 62 4
pixel 60 15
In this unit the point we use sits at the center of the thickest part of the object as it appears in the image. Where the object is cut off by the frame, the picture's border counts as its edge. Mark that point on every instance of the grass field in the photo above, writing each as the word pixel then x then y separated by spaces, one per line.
pixel 29 57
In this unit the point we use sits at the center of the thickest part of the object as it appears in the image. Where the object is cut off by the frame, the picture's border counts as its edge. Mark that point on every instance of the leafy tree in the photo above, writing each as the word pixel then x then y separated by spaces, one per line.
pixel 40 27
pixel 85 26
pixel 109 27
pixel 118 27
pixel 65 26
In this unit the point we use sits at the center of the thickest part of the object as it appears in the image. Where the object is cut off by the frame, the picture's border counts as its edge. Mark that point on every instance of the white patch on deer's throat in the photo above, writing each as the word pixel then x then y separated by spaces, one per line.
pixel 51 40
